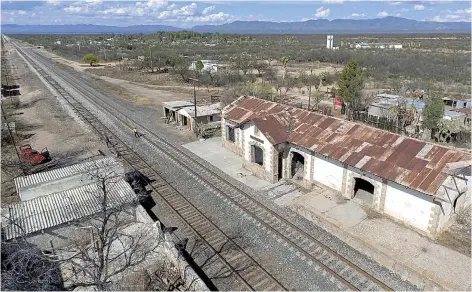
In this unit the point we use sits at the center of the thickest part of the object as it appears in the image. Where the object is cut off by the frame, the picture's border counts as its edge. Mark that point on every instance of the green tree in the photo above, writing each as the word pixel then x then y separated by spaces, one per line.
pixel 199 67
pixel 284 61
pixel 433 111
pixel 350 84
pixel 91 59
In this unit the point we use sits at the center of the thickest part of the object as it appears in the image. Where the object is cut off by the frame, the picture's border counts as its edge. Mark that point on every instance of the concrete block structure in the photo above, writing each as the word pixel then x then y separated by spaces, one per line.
pixel 404 178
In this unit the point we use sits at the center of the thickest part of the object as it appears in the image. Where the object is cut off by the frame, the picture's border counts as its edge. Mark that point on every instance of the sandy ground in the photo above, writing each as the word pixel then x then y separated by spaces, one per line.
pixel 42 122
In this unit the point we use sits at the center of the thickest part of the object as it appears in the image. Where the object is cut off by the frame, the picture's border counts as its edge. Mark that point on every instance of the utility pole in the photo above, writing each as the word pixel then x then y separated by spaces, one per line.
pixel 309 90
pixel 150 59
pixel 194 96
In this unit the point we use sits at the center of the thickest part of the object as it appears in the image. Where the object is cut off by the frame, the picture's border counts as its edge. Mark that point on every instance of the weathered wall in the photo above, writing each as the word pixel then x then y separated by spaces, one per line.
pixel 328 174
pixel 412 209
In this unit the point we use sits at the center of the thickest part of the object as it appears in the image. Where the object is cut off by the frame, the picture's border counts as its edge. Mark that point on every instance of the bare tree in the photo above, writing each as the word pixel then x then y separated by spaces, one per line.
pixel 114 250
pixel 26 268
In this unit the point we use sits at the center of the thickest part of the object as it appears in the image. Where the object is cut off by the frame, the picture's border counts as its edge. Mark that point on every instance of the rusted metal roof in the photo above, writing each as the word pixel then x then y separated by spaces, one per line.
pixel 406 161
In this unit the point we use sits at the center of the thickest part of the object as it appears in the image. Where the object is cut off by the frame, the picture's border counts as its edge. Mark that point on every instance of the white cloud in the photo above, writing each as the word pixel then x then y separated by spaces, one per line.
pixel 156 4
pixel 212 18
pixel 358 15
pixel 53 2
pixel 464 11
pixel 94 2
pixel 21 12
pixel 33 15
pixel 322 12
pixel 418 7
pixel 208 9
pixel 402 10
pixel 306 19
pixel 395 3
pixel 189 9
pixel 383 14
pixel 450 17
pixel 333 1
pixel 76 9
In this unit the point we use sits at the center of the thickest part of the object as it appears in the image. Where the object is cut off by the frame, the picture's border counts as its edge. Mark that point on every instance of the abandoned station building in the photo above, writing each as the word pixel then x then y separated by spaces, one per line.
pixel 182 113
pixel 420 184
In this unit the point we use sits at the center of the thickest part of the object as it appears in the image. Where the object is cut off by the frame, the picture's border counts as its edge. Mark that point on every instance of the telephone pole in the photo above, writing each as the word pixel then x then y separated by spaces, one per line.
pixel 194 96
pixel 150 59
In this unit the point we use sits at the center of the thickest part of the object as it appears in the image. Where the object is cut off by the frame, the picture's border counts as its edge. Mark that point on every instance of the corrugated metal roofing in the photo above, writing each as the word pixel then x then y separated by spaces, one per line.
pixel 406 161
pixel 59 208
pixel 204 110
pixel 177 104
pixel 45 176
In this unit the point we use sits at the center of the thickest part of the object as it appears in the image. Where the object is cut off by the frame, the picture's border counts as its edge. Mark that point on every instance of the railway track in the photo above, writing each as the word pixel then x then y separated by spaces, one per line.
pixel 340 270
pixel 232 260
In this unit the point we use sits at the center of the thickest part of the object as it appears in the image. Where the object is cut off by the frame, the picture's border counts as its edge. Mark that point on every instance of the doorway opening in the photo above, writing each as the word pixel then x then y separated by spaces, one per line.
pixel 297 166
pixel 184 121
pixel 280 169
pixel 257 155
pixel 364 190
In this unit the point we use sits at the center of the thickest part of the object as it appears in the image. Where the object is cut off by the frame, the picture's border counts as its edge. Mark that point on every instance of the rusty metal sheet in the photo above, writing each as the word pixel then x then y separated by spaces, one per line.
pixel 436 156
pixel 404 160
pixel 325 124
pixel 338 152
pixel 420 178
pixel 354 158
pixel 414 146
pixel 331 137
pixel 416 164
pixel 437 182
pixel 393 172
pixel 428 180
pixel 386 137
pixel 353 129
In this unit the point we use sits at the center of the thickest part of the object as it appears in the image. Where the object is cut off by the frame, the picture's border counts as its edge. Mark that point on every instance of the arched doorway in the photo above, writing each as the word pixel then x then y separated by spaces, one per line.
pixel 364 190
pixel 297 166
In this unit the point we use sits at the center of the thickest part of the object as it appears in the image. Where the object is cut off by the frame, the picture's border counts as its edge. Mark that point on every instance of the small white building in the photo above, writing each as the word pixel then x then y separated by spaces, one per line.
pixel 208 65
pixel 420 184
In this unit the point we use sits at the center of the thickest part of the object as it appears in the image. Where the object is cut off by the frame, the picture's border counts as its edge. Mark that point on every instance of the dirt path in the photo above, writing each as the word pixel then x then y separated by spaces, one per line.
pixel 41 121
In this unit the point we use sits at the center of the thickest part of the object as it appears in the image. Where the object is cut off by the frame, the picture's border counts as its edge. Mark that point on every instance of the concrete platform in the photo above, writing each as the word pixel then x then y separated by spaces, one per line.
pixel 392 244
pixel 212 151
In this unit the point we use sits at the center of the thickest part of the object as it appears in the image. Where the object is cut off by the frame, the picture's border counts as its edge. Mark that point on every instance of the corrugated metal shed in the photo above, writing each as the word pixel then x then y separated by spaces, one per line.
pixel 406 161
pixel 59 208
pixel 55 174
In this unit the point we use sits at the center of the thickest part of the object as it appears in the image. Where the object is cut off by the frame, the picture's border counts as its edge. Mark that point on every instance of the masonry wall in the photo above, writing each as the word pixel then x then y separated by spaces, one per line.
pixel 407 206
pixel 413 209
pixel 250 138
pixel 328 174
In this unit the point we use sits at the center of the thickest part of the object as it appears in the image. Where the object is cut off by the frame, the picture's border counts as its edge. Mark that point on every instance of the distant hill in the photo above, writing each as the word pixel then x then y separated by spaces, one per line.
pixel 345 26
pixel 378 25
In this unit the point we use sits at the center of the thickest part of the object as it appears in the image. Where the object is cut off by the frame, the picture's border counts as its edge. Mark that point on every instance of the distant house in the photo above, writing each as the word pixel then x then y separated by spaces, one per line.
pixel 208 65
pixel 457 102
pixel 418 183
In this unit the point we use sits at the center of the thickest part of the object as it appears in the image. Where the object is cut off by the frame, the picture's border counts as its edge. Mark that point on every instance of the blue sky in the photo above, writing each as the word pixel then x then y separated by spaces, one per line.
pixel 187 14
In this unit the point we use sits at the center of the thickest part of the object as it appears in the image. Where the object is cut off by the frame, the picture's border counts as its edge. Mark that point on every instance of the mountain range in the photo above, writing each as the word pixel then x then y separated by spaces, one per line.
pixel 344 26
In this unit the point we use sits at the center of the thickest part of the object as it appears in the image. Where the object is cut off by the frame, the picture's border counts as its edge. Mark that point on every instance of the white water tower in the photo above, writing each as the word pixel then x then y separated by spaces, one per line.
pixel 329 42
